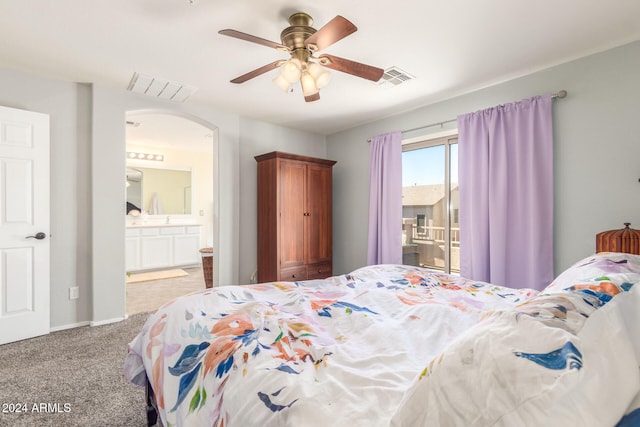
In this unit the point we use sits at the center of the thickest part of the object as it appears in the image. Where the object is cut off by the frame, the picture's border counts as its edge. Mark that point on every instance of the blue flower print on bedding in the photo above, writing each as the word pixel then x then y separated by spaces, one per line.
pixel 632 419
pixel 558 359
pixel 274 407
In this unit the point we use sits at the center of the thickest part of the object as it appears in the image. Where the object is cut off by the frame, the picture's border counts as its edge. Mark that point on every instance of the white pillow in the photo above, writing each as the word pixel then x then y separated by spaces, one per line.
pixel 617 267
pixel 558 359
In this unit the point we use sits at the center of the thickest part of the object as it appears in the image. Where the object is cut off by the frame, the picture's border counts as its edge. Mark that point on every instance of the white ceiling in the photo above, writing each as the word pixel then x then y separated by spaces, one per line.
pixel 451 47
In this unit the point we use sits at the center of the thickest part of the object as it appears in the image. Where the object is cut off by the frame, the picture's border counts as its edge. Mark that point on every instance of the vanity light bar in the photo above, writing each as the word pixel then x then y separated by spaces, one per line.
pixel 144 156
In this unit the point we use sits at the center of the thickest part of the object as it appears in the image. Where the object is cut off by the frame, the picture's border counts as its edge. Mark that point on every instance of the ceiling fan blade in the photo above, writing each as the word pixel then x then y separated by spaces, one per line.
pixel 255 73
pixel 313 97
pixel 335 30
pixel 351 67
pixel 254 39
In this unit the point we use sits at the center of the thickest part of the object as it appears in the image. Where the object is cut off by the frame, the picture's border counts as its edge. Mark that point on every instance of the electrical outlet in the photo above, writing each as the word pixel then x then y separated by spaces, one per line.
pixel 201 212
pixel 74 292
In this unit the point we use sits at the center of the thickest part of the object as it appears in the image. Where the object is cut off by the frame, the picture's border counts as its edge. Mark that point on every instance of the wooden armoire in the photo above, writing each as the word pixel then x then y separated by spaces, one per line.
pixel 294 217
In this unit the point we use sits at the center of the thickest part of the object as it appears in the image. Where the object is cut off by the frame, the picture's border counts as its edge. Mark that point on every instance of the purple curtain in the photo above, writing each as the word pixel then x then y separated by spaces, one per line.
pixel 385 199
pixel 505 173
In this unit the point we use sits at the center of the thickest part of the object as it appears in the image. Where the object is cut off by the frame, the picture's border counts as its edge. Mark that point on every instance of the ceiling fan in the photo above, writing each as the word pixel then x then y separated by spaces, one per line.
pixel 302 42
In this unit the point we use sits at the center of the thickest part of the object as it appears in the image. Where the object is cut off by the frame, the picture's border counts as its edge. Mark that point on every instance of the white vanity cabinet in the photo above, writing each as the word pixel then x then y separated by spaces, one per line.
pixel 161 246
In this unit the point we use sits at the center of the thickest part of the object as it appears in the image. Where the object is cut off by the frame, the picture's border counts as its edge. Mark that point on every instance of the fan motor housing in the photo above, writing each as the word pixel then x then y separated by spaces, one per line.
pixel 299 30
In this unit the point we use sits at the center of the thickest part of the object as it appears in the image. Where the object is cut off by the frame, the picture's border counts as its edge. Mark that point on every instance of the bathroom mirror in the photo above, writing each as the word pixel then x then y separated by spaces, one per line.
pixel 158 191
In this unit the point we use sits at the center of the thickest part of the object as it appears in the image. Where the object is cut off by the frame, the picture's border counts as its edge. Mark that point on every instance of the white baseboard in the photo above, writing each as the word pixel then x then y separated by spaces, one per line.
pixel 70 326
pixel 107 321
pixel 88 323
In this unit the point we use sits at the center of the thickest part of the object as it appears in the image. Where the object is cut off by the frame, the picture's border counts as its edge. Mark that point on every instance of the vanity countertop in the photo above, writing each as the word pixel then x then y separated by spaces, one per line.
pixel 160 224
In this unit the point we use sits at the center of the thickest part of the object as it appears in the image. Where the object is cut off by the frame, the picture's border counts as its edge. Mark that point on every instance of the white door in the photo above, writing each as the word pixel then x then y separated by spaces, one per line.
pixel 24 224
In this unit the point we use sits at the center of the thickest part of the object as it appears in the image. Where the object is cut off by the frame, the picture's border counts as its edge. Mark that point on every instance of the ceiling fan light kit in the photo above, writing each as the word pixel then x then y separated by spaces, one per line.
pixel 308 85
pixel 291 70
pixel 320 75
pixel 302 41
pixel 282 83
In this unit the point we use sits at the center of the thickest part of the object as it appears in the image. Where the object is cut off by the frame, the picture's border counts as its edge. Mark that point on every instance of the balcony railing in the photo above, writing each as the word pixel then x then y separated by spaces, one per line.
pixel 420 233
pixel 425 246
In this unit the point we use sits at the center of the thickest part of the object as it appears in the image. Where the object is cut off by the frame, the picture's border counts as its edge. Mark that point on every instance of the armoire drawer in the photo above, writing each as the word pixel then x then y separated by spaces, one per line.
pixel 319 271
pixel 293 274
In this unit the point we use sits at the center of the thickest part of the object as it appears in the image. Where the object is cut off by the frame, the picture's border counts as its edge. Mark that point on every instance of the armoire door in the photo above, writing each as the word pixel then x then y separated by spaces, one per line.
pixel 292 213
pixel 318 219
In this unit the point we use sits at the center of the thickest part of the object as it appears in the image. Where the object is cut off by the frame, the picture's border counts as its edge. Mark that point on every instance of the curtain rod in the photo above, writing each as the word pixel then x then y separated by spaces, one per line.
pixel 558 95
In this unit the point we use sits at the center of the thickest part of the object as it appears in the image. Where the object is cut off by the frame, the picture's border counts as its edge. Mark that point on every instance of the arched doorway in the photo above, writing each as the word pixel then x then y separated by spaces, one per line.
pixel 168 144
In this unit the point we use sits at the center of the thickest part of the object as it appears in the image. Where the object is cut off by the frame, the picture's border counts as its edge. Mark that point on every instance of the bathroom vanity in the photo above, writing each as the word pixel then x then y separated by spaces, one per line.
pixel 155 246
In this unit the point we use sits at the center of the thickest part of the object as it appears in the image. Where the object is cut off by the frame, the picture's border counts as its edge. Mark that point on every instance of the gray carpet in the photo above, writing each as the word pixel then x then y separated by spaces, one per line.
pixel 74 377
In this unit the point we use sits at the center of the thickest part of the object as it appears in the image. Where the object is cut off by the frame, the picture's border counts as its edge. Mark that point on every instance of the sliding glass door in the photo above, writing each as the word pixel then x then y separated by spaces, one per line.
pixel 430 204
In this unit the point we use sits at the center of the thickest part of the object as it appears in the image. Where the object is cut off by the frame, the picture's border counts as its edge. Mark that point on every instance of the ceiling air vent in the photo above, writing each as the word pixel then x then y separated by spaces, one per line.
pixel 160 88
pixel 394 76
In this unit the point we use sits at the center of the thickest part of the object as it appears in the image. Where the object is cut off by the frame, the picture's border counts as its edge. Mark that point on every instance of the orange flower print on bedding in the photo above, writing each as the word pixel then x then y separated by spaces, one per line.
pixel 414 278
pixel 322 303
pixel 450 286
pixel 156 330
pixel 157 370
pixel 293 341
pixel 414 298
pixel 228 329
pixel 603 287
pixel 436 279
pixel 219 351
pixel 232 324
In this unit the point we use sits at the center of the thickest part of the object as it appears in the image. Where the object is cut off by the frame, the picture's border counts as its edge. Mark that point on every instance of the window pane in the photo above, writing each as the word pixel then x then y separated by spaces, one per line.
pixel 424 207
pixel 430 204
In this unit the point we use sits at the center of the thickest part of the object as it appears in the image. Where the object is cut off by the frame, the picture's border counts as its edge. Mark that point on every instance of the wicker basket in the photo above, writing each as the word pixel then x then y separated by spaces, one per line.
pixel 626 240
pixel 207 266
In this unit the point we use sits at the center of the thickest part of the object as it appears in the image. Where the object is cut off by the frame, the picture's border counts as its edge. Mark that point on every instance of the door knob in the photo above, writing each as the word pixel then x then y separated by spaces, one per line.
pixel 38 236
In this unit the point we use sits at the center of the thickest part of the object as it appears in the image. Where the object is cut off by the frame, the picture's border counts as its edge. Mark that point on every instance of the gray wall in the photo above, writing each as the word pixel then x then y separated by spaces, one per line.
pixel 597 152
pixel 108 167
pixel 69 106
pixel 87 191
pixel 258 138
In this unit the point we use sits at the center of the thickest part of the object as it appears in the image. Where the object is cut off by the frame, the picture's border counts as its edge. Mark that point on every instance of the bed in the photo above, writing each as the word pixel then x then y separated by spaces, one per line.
pixel 395 345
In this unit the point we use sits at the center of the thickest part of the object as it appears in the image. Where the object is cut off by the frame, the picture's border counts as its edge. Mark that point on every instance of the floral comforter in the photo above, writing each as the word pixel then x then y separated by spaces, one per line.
pixel 351 350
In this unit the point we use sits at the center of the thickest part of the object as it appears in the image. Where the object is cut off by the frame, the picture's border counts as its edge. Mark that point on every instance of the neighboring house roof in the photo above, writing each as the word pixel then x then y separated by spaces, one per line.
pixel 423 195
